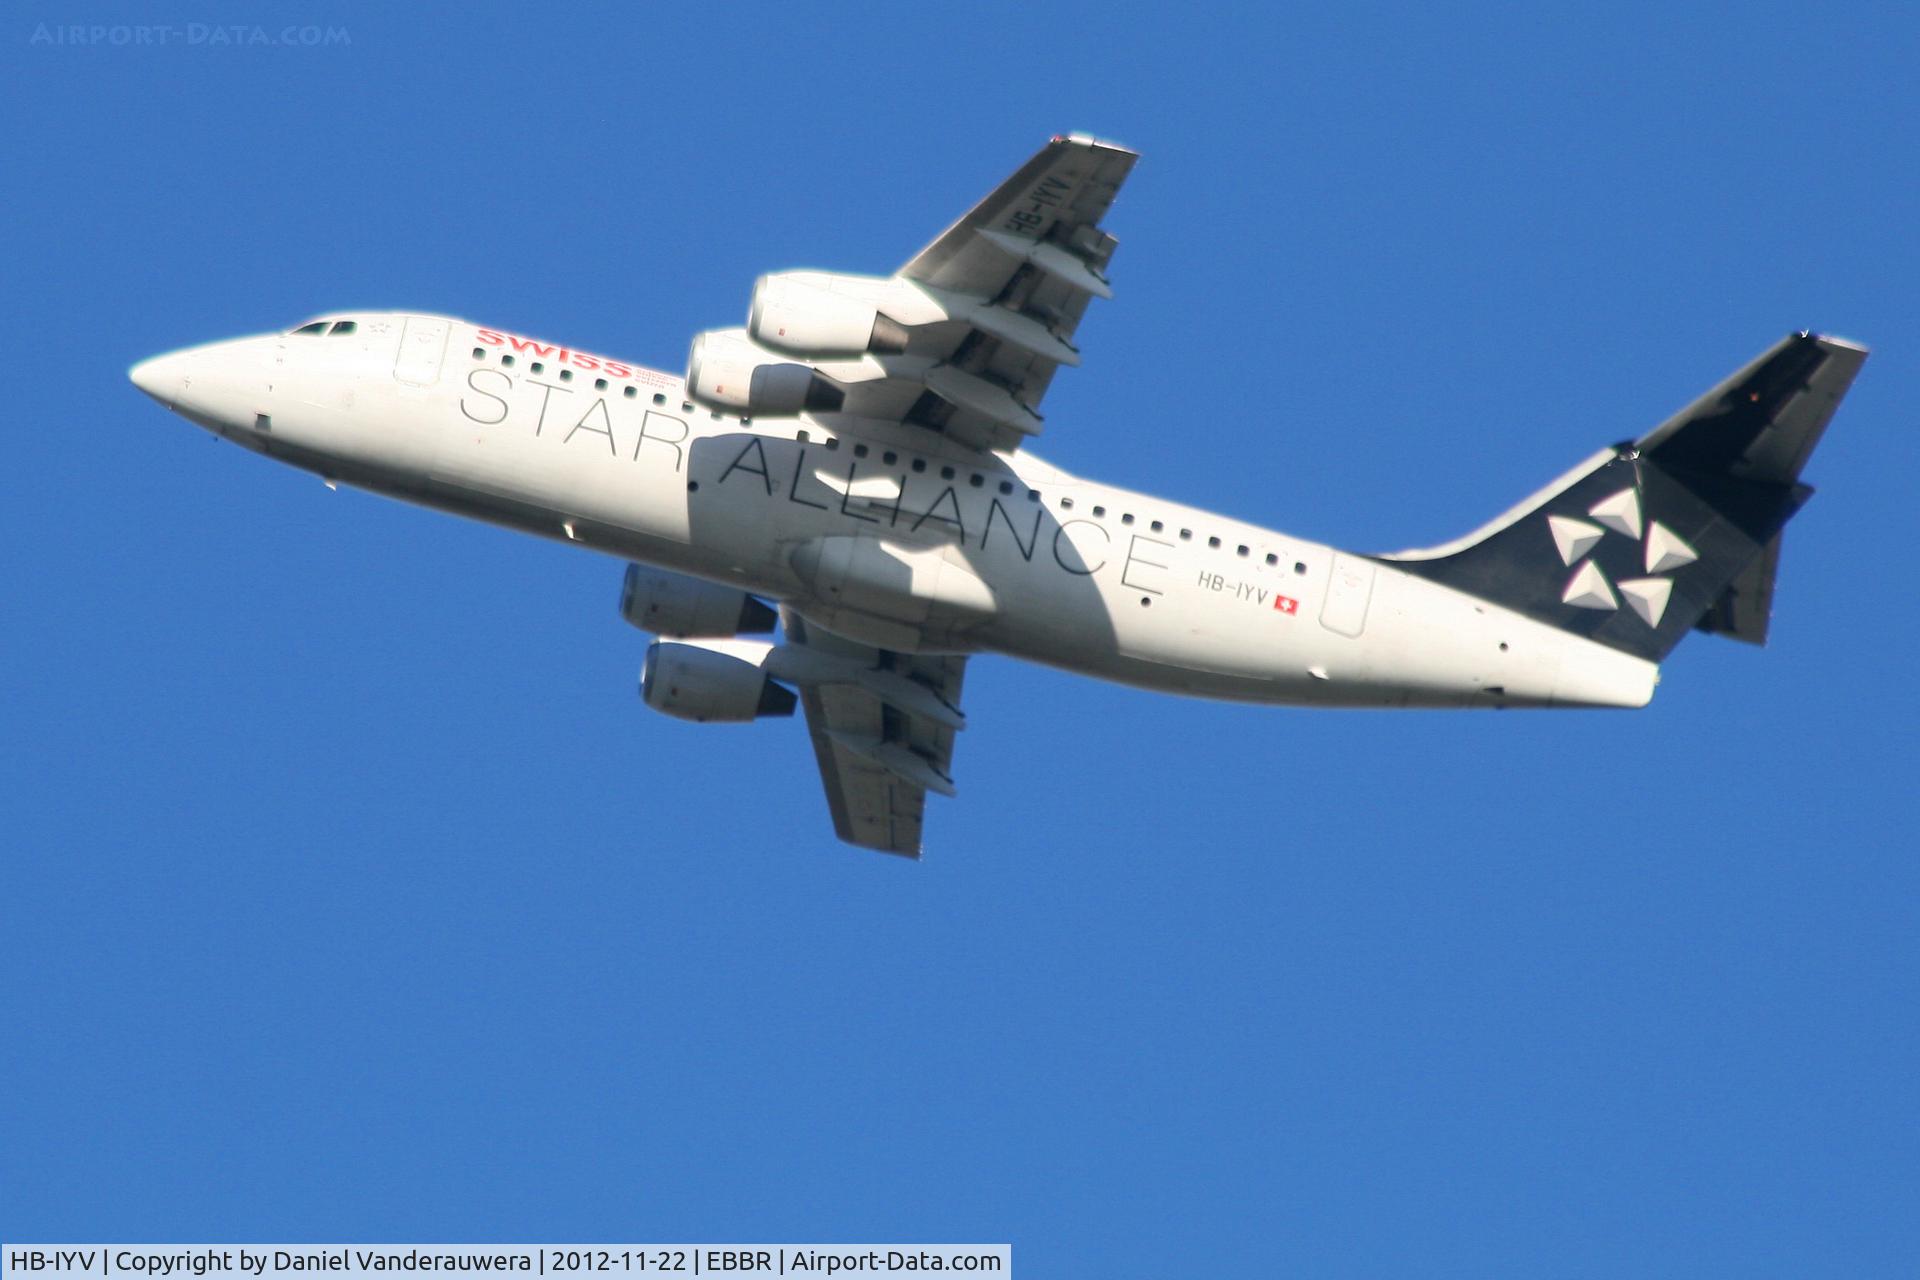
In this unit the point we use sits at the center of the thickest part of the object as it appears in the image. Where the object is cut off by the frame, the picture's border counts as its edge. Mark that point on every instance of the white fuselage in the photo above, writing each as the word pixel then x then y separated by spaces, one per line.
pixel 884 533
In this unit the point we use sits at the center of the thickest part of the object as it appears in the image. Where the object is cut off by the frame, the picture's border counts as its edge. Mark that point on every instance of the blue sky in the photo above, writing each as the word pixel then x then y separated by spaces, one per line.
pixel 349 892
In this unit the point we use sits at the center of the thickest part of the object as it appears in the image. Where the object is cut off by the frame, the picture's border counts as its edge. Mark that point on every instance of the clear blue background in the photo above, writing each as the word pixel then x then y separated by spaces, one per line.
pixel 349 892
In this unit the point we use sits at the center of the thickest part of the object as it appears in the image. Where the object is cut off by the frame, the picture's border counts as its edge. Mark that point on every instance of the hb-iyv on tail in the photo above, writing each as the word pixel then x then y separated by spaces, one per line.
pixel 1677 530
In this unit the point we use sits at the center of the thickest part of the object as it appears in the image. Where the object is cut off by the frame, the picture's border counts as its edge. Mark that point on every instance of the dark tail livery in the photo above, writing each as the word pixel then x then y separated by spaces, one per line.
pixel 1677 530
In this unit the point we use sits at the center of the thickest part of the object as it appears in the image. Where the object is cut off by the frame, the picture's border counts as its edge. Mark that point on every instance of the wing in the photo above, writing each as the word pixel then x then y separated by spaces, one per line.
pixel 881 747
pixel 991 307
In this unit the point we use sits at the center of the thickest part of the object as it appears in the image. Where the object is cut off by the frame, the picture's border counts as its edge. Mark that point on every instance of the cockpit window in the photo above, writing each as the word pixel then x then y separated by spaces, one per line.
pixel 342 327
pixel 318 326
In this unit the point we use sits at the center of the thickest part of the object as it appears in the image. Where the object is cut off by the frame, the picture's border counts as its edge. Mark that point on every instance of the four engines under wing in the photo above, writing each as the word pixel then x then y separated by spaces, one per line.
pixel 963 340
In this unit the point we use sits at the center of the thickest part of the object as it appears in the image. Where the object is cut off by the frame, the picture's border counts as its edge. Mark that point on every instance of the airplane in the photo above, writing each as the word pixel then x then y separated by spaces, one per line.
pixel 836 506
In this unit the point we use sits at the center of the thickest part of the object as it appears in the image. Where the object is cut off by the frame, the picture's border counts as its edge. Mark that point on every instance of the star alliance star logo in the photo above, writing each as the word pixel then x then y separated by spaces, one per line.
pixel 1588 588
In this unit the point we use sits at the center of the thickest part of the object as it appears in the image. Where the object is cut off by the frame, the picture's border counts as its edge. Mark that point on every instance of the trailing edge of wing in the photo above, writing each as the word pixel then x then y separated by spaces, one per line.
pixel 881 743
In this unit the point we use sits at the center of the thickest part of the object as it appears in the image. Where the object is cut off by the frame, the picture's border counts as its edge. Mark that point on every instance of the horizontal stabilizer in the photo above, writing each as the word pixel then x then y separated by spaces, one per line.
pixel 1746 607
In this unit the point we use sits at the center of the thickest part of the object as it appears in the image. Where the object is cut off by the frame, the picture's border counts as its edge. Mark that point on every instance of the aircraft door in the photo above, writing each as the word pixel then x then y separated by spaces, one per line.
pixel 423 344
pixel 1349 591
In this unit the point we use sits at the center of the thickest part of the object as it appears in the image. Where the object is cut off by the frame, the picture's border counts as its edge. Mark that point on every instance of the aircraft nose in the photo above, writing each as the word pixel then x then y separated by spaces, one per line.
pixel 162 377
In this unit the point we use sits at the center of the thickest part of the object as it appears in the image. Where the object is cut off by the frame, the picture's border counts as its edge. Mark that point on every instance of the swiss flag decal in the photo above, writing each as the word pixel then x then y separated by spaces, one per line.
pixel 1286 604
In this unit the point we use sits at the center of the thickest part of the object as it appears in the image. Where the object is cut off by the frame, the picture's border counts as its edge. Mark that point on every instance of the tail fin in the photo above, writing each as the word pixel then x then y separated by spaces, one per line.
pixel 1676 530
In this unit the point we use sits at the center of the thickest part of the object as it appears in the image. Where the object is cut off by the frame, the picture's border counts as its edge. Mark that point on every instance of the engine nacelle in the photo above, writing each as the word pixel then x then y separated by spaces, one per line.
pixel 725 370
pixel 672 604
pixel 798 314
pixel 712 682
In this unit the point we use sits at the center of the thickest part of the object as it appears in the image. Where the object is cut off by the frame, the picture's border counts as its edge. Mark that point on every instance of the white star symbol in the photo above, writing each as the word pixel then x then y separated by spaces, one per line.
pixel 1588 588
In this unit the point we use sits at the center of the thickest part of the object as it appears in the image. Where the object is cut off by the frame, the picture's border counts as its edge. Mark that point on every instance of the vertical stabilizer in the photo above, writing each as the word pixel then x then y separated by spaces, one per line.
pixel 1677 530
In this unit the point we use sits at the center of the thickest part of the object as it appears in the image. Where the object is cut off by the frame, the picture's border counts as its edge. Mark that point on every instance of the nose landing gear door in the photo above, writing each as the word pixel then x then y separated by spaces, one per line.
pixel 423 343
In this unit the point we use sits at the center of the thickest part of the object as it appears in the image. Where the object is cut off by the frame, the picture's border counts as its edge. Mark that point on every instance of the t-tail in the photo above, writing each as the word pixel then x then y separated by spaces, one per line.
pixel 1677 530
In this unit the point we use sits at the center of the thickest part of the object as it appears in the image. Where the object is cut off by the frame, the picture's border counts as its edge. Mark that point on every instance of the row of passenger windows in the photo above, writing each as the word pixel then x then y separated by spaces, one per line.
pixel 338 328
pixel 599 384
pixel 978 481
pixel 890 458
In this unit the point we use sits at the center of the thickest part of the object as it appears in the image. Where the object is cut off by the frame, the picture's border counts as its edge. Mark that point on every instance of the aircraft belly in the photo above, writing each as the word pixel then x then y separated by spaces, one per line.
pixel 579 485
pixel 1428 646
pixel 893 579
pixel 1179 609
pixel 1414 645
pixel 1182 631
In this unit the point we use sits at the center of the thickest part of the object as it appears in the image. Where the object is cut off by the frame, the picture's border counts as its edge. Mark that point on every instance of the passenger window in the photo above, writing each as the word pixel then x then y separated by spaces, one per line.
pixel 658 398
pixel 566 375
pixel 1214 543
pixel 537 367
pixel 507 361
pixel 1156 526
pixel 630 392
pixel 479 353
pixel 977 480
pixel 599 384
pixel 946 473
pixel 1239 551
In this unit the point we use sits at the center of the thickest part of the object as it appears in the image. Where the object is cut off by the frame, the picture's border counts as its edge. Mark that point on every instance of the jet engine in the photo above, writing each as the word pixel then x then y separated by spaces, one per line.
pixel 725 370
pixel 805 314
pixel 713 681
pixel 672 604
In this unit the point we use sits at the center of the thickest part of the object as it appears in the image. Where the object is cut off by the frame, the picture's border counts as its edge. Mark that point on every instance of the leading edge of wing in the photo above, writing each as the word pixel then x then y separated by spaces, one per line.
pixel 1112 162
